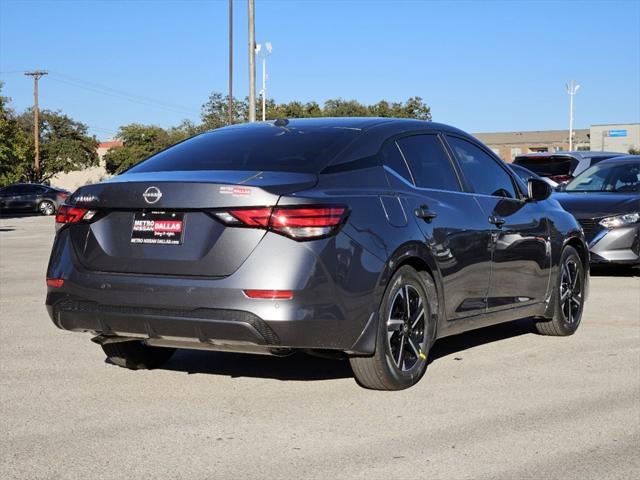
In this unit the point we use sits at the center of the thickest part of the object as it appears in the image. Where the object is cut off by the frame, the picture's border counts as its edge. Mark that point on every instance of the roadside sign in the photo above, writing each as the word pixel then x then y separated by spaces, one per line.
pixel 617 133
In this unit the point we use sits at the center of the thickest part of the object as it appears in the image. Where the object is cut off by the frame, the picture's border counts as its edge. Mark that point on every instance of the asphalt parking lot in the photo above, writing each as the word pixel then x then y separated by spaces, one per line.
pixel 501 402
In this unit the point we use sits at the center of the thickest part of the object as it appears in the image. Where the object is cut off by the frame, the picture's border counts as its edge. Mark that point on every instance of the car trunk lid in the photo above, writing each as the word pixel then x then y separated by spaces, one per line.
pixel 161 223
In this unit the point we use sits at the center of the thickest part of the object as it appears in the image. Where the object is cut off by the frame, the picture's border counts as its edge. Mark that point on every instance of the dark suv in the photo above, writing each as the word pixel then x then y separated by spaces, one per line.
pixel 561 167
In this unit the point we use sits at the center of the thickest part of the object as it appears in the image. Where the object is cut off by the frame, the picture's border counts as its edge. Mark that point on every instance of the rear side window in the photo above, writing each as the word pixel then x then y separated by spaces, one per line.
pixel 265 147
pixel 33 189
pixel 11 190
pixel 481 170
pixel 429 162
pixel 391 157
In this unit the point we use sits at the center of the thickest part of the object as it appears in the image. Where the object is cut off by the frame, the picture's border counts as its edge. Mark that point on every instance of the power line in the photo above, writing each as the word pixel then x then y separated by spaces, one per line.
pixel 112 92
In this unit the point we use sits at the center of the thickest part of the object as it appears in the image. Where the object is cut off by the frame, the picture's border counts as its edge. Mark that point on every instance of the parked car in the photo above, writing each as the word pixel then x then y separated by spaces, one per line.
pixel 561 167
pixel 606 201
pixel 525 174
pixel 364 237
pixel 32 197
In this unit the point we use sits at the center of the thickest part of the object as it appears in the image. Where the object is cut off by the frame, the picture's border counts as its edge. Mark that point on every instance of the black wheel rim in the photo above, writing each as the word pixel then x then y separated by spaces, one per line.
pixel 570 291
pixel 406 332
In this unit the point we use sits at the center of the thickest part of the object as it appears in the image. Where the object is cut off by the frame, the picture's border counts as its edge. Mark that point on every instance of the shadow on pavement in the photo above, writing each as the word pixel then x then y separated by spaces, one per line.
pixel 298 366
pixel 302 367
pixel 614 271
pixel 7 215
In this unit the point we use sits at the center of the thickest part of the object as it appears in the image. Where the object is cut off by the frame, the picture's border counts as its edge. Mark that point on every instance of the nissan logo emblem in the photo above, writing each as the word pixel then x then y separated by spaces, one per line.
pixel 152 195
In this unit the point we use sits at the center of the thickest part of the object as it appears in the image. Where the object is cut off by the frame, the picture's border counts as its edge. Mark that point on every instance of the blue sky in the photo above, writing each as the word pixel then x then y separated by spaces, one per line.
pixel 481 66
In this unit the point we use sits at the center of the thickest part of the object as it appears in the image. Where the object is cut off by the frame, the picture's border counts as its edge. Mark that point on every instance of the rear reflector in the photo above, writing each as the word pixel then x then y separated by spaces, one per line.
pixel 55 282
pixel 270 294
pixel 297 222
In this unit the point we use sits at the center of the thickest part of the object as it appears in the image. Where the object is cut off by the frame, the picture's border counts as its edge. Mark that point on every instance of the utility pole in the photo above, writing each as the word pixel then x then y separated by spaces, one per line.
pixel 36 74
pixel 572 88
pixel 230 112
pixel 252 62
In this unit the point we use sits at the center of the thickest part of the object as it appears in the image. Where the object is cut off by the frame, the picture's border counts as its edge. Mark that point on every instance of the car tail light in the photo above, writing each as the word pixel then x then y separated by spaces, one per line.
pixel 68 214
pixel 561 178
pixel 297 222
pixel 55 282
pixel 270 294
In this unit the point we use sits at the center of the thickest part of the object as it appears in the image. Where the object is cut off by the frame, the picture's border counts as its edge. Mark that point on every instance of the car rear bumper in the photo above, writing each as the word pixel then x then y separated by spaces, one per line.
pixel 332 307
pixel 616 246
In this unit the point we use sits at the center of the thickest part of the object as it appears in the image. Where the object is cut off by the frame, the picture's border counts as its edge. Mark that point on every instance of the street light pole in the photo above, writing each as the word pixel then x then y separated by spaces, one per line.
pixel 37 74
pixel 265 53
pixel 230 99
pixel 572 88
pixel 252 62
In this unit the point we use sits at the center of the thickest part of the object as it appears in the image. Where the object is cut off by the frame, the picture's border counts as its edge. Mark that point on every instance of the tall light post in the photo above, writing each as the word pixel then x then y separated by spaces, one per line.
pixel 264 54
pixel 572 88
pixel 230 99
pixel 252 61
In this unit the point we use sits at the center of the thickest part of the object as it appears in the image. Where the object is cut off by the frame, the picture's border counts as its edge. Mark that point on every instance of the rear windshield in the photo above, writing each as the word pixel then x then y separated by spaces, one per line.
pixel 548 166
pixel 264 147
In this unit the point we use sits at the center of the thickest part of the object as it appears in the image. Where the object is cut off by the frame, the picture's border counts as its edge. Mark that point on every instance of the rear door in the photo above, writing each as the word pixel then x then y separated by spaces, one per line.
pixel 453 225
pixel 519 229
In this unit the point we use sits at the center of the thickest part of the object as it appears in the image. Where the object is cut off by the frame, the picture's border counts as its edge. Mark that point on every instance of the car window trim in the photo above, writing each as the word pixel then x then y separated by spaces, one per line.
pixel 501 164
pixel 438 135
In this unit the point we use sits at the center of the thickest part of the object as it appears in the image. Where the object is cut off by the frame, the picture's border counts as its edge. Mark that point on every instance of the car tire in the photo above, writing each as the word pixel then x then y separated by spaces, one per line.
pixel 135 355
pixel 403 341
pixel 46 207
pixel 568 297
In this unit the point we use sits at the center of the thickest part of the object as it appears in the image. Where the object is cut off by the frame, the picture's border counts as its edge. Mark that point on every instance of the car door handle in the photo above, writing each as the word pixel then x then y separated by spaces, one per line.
pixel 497 221
pixel 424 213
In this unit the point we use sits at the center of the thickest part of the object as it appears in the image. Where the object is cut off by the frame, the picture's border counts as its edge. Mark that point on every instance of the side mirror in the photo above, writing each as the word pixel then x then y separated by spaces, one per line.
pixel 538 189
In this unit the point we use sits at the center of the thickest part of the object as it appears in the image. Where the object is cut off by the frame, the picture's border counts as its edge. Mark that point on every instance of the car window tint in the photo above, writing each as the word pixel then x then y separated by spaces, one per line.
pixel 10 190
pixel 32 189
pixel 429 163
pixel 482 171
pixel 391 157
pixel 266 147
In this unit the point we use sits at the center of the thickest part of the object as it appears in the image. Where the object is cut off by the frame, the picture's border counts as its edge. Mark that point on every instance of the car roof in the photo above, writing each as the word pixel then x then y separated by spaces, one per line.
pixel 360 123
pixel 22 184
pixel 621 159
pixel 374 131
pixel 578 154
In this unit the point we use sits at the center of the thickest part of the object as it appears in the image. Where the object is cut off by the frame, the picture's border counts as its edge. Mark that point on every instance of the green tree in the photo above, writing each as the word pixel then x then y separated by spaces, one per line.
pixel 345 108
pixel 215 111
pixel 65 145
pixel 139 142
pixel 634 151
pixel 14 145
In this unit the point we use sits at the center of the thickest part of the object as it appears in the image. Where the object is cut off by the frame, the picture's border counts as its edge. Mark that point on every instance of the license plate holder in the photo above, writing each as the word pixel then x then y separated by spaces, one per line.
pixel 157 228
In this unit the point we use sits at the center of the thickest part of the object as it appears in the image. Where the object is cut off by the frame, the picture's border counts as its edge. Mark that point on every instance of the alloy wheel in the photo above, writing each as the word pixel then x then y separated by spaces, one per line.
pixel 570 291
pixel 406 332
pixel 47 208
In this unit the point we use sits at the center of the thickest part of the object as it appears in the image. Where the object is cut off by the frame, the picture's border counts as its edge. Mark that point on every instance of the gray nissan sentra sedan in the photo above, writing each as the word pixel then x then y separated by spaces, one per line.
pixel 364 237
